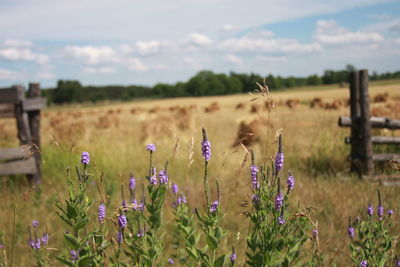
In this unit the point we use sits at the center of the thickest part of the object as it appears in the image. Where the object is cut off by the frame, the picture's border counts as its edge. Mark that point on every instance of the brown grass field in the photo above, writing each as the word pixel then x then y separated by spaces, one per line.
pixel 116 134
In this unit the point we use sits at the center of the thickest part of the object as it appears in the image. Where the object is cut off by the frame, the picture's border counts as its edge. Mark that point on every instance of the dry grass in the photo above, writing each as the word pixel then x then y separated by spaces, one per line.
pixel 116 134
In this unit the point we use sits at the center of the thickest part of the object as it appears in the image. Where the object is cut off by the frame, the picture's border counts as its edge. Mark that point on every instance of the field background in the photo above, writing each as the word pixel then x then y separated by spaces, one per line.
pixel 116 134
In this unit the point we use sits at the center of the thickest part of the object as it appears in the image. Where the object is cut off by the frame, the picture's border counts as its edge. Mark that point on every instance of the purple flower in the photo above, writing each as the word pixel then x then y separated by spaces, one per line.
pixel 151 148
pixel 214 206
pixel 102 212
pixel 380 210
pixel 279 157
pixel 153 177
pixel 35 244
pixel 74 255
pixel 1 246
pixel 370 210
pixel 120 237
pixel 171 261
pixel 315 233
pixel 233 257
pixel 281 220
pixel 351 232
pixel 363 263
pixel 122 221
pixel 253 171
pixel 85 158
pixel 140 233
pixel 179 201
pixel 35 223
pixel 132 183
pixel 278 201
pixel 163 176
pixel 290 182
pixel 398 263
pixel 206 149
pixel 175 189
pixel 45 238
pixel 390 212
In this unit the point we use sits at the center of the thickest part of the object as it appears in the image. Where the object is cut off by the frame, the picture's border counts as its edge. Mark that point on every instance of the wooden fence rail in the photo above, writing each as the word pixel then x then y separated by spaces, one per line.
pixel 361 140
pixel 26 111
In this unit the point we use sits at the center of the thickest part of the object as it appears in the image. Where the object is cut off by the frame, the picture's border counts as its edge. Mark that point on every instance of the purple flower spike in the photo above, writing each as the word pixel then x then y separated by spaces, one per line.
pixel 120 237
pixel 278 201
pixel 370 210
pixel 35 224
pixel 380 211
pixel 214 206
pixel 132 183
pixel 163 177
pixel 74 255
pixel 122 221
pixel 279 157
pixel 290 182
pixel 171 261
pixel 315 233
pixel 140 233
pixel 351 232
pixel 281 220
pixel 102 212
pixel 364 263
pixel 206 149
pixel 253 171
pixel 255 199
pixel 45 239
pixel 390 212
pixel 151 148
pixel 175 189
pixel 398 263
pixel 85 158
pixel 233 257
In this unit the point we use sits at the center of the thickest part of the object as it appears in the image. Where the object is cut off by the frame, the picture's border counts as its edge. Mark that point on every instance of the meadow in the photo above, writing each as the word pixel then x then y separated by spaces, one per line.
pixel 116 135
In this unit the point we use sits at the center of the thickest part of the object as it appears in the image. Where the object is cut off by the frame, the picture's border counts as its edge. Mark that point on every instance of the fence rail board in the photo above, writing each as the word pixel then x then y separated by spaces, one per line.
pixel 7 111
pixel 9 95
pixel 376 122
pixel 385 157
pixel 31 104
pixel 382 140
pixel 18 167
pixel 12 153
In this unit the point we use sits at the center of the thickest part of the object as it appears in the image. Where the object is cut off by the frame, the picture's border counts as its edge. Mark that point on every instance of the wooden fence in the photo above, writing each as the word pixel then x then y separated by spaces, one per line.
pixel 361 140
pixel 13 104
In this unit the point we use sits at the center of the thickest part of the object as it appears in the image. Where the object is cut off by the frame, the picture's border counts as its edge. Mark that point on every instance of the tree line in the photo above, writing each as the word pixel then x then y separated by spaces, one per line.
pixel 204 83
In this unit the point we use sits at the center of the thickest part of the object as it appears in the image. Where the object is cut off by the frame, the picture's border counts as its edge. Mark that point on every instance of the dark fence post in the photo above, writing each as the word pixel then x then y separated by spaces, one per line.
pixel 34 125
pixel 365 124
pixel 356 151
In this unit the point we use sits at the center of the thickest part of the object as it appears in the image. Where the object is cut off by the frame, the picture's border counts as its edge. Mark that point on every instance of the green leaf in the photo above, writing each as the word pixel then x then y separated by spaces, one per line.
pixel 212 242
pixel 220 261
pixel 71 240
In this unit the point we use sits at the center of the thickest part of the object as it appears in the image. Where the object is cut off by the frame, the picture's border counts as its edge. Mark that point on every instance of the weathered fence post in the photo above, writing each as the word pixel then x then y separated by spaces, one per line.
pixel 356 150
pixel 34 125
pixel 365 124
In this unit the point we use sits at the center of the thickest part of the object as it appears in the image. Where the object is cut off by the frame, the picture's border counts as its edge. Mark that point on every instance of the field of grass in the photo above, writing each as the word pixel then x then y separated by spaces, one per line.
pixel 116 135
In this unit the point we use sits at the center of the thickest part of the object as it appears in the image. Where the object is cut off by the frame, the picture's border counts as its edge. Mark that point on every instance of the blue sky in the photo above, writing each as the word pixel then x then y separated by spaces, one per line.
pixel 145 42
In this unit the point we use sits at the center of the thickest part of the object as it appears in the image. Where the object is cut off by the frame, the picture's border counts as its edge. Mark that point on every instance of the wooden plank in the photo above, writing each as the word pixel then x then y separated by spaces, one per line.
pixel 365 125
pixel 9 95
pixel 34 126
pixel 376 122
pixel 13 153
pixel 24 133
pixel 384 157
pixel 18 167
pixel 356 149
pixel 385 140
pixel 7 110
pixel 32 104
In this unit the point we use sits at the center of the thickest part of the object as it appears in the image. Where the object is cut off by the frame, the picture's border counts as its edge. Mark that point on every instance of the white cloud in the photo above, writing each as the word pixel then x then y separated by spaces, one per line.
pixel 198 39
pixel 261 45
pixel 9 75
pixel 227 27
pixel 92 54
pixel 135 64
pixel 99 70
pixel 233 59
pixel 17 43
pixel 146 48
pixel 23 54
pixel 45 75
pixel 330 33
pixel 272 58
